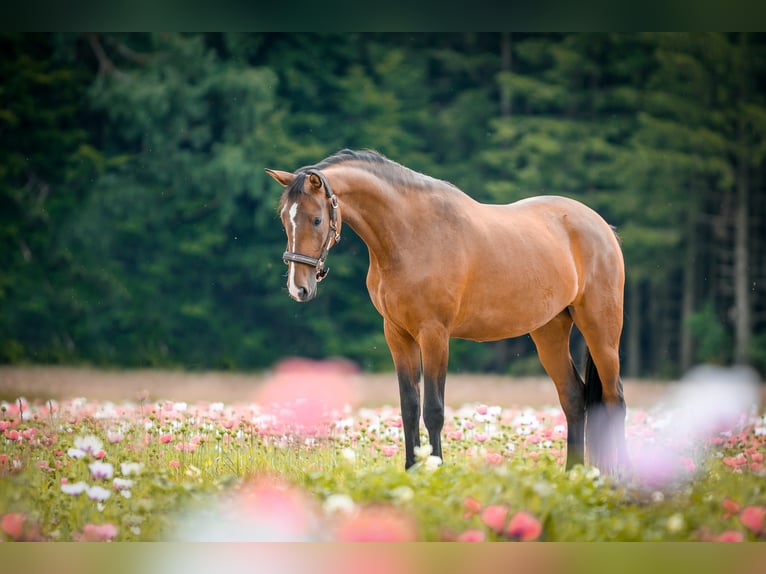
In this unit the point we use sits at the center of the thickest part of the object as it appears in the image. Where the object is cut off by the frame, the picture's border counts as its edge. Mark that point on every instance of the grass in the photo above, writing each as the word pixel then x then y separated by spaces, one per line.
pixel 305 466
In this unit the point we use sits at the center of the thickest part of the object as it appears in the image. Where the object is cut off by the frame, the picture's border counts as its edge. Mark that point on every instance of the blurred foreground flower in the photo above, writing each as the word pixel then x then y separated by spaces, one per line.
pixel 264 510
pixel 376 524
pixel 306 395
pixel 98 533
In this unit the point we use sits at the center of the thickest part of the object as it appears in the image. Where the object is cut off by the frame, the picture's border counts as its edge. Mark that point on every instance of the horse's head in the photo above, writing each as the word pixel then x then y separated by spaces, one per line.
pixel 311 218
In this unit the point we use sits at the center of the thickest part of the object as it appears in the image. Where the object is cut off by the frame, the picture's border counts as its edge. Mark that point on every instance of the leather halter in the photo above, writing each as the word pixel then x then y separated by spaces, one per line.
pixel 333 235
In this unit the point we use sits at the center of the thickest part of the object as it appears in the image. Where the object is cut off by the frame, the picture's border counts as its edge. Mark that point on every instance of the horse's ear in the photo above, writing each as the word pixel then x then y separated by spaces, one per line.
pixel 283 177
pixel 315 181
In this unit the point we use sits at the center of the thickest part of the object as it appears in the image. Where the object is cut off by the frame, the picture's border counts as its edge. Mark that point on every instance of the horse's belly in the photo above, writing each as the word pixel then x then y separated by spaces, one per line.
pixel 494 328
pixel 490 318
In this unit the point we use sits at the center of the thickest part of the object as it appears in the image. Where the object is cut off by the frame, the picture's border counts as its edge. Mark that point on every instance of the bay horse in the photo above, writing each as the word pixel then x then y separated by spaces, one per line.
pixel 444 265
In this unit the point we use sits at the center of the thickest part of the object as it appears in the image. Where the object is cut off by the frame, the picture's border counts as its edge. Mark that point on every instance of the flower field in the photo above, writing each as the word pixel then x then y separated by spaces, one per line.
pixel 302 463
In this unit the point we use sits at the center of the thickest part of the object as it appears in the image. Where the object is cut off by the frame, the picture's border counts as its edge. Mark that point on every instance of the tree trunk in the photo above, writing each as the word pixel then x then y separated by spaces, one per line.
pixel 633 359
pixel 742 328
pixel 688 295
pixel 506 64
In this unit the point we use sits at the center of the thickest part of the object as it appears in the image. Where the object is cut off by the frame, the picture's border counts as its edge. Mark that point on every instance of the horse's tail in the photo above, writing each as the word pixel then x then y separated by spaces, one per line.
pixel 595 426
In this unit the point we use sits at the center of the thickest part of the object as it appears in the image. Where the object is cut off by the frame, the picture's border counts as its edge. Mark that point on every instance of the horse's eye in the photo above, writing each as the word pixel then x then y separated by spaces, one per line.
pixel 317 221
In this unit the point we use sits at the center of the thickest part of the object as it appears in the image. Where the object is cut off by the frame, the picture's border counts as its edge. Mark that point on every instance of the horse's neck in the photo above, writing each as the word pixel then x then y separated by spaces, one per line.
pixel 373 208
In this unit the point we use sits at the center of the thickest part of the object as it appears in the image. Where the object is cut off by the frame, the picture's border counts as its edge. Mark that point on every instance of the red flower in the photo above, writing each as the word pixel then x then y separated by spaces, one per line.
pixel 730 506
pixel 752 517
pixel 12 525
pixel 729 536
pixel 472 535
pixel 494 516
pixel 472 506
pixel 524 526
pixel 12 434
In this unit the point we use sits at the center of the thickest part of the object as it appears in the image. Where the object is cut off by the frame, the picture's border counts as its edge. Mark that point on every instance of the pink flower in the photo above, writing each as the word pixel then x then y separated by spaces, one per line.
pixel 534 439
pixel 377 524
pixel 389 449
pixel 523 526
pixel 482 409
pixel 174 464
pixel 752 518
pixel 12 525
pixel 729 536
pixel 12 434
pixel 455 435
pixel 166 438
pixel 472 506
pixel 494 458
pixel 730 506
pixel 98 532
pixel 481 437
pixel 472 535
pixel 494 516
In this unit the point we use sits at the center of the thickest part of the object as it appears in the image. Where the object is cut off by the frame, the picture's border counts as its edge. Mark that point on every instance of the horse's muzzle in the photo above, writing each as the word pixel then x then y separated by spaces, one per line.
pixel 303 294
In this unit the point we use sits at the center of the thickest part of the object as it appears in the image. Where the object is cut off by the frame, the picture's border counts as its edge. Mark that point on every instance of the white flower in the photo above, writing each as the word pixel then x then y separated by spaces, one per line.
pixel 180 407
pixel 422 452
pixel 76 453
pixel 74 488
pixel 91 444
pixel 338 503
pixel 676 523
pixel 349 454
pixel 404 493
pixel 122 483
pixel 98 493
pixel 128 468
pixel 99 470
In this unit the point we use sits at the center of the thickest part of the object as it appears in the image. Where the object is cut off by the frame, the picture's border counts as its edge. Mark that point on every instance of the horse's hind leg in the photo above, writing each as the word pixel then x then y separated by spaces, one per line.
pixel 406 355
pixel 552 341
pixel 600 322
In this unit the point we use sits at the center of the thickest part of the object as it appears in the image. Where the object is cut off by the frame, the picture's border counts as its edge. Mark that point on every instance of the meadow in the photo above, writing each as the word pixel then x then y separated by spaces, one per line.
pixel 303 462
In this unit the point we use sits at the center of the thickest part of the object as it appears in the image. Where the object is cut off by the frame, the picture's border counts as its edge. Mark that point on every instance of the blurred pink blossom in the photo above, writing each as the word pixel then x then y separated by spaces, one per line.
pixel 306 395
pixel 472 535
pixel 494 516
pixel 376 524
pixel 729 536
pixel 98 533
pixel 752 518
pixel 12 524
pixel 524 526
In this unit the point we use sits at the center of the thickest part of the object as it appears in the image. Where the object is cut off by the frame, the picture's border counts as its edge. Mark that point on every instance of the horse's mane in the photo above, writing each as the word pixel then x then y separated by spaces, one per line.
pixel 378 164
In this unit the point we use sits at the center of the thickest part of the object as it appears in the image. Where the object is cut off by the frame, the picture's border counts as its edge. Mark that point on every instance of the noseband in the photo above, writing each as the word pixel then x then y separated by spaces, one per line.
pixel 332 235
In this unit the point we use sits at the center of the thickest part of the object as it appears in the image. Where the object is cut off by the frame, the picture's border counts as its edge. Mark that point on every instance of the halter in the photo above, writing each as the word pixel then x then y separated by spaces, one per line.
pixel 332 235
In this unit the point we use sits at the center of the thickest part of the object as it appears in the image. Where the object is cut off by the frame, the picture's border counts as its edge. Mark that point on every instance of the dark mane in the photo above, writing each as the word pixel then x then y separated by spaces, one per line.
pixel 380 165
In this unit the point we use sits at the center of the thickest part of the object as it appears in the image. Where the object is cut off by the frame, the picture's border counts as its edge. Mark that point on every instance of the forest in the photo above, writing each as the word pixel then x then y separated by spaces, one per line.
pixel 139 229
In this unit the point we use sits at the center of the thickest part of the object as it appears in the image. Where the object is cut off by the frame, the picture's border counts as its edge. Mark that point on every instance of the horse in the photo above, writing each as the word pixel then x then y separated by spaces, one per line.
pixel 443 265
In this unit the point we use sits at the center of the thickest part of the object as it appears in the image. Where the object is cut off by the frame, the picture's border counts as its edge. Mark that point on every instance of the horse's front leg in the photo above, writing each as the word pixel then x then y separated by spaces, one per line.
pixel 406 355
pixel 435 350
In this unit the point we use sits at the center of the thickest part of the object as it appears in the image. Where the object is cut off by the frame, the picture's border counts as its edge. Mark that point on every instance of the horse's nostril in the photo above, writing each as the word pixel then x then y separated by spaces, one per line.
pixel 302 292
